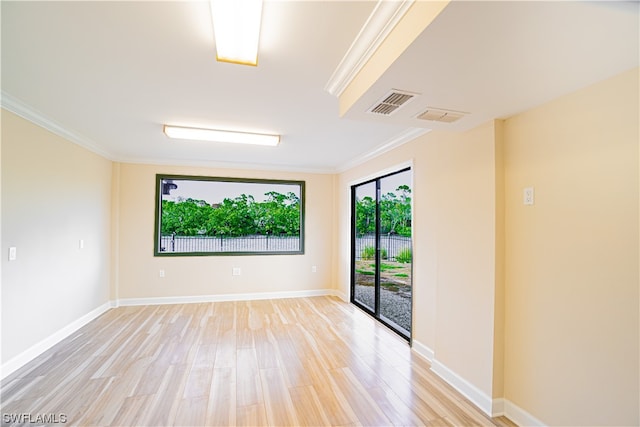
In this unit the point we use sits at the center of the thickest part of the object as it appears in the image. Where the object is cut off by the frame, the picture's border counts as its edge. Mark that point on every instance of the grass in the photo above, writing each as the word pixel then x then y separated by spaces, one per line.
pixel 390 286
pixel 404 256
pixel 386 267
pixel 401 275
pixel 369 252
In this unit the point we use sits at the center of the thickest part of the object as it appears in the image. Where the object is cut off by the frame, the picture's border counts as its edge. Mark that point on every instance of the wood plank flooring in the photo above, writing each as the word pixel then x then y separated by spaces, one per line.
pixel 287 362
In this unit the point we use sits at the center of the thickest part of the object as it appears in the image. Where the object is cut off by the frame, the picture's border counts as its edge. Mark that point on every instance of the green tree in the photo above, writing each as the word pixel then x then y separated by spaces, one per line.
pixel 395 212
pixel 278 215
pixel 184 217
pixel 233 217
pixel 365 216
pixel 404 211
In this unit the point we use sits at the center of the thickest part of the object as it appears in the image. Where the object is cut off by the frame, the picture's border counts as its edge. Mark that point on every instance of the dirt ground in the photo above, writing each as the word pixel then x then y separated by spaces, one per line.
pixel 394 276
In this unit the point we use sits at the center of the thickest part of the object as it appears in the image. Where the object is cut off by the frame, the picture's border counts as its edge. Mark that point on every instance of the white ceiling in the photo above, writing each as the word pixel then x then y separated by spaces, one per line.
pixel 108 75
pixel 496 59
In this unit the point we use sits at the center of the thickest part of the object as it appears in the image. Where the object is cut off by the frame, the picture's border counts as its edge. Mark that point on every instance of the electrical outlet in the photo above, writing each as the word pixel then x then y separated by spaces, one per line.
pixel 528 196
pixel 81 244
pixel 161 273
pixel 314 269
pixel 236 271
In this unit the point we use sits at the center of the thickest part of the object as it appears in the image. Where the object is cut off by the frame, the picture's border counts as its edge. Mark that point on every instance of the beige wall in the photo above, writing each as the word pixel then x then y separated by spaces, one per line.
pixel 138 270
pixel 572 258
pixel 54 194
pixel 454 245
pixel 550 289
pixel 536 304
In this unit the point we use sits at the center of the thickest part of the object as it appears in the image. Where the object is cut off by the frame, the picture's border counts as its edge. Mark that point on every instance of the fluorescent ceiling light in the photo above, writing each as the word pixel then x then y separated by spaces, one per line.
pixel 236 25
pixel 215 135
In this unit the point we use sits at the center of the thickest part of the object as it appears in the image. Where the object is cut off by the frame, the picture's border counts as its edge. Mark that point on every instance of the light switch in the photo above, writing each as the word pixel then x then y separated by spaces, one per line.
pixel 236 271
pixel 13 253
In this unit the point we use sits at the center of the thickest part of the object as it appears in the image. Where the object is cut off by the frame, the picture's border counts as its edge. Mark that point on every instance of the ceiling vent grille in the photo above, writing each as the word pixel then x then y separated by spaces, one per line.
pixel 391 102
pixel 440 115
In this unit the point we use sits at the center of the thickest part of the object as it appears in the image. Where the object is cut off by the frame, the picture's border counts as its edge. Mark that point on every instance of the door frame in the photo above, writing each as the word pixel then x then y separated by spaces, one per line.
pixel 375 313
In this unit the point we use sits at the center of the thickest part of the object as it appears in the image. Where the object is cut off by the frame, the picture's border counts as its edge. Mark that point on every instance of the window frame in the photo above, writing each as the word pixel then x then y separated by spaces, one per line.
pixel 157 238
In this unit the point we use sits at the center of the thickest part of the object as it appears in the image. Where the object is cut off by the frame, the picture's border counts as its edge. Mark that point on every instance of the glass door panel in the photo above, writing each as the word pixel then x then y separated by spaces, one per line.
pixel 364 233
pixel 396 251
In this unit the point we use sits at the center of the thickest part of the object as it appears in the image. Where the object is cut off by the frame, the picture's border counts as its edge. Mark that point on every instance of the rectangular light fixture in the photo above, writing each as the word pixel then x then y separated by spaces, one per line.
pixel 215 135
pixel 236 26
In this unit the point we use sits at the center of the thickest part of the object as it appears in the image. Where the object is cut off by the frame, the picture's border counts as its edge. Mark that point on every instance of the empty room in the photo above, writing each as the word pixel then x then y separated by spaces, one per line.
pixel 288 213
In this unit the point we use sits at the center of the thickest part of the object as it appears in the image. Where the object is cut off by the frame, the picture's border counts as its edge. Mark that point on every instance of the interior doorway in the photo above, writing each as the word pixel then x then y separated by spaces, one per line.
pixel 381 249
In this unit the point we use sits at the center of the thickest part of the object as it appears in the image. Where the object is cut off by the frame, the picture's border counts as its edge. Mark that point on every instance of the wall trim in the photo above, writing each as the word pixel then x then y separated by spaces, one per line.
pixel 227 297
pixel 225 165
pixel 28 113
pixel 25 111
pixel 497 407
pixel 343 296
pixel 422 351
pixel 34 351
pixel 468 390
pixel 402 138
pixel 493 408
pixel 375 30
pixel 37 349
pixel 519 415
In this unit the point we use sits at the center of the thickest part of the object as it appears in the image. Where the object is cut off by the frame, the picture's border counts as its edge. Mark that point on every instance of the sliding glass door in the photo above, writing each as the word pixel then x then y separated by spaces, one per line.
pixel 381 251
pixel 365 274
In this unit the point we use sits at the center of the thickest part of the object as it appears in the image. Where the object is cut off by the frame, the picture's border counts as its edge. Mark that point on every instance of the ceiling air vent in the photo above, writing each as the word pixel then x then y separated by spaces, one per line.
pixel 391 102
pixel 440 115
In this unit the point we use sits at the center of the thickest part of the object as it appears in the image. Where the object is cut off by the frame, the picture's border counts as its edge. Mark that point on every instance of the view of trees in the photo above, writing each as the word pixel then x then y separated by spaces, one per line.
pixel 395 213
pixel 277 215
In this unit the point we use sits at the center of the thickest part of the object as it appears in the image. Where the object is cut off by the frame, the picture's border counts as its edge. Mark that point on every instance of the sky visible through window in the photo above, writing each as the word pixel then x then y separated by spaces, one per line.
pixel 388 184
pixel 216 191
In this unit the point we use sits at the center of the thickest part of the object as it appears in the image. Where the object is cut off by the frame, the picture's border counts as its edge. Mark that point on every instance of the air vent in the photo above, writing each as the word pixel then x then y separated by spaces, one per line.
pixel 440 115
pixel 391 102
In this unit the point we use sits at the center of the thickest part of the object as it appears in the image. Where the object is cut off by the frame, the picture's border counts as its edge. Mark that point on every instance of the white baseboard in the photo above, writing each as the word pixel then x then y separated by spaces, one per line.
pixel 468 390
pixel 34 351
pixel 337 293
pixel 492 407
pixel 37 349
pixel 226 297
pixel 422 350
pixel 497 407
pixel 520 416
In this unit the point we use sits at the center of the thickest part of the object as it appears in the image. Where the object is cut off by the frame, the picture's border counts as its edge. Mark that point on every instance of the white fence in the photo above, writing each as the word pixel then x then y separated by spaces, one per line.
pixel 177 244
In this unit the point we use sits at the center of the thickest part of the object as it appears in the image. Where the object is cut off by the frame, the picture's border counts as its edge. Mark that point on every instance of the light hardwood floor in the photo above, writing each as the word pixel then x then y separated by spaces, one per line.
pixel 287 362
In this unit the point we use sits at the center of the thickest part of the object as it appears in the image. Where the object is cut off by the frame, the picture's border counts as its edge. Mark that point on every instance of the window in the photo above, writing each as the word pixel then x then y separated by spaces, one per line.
pixel 197 215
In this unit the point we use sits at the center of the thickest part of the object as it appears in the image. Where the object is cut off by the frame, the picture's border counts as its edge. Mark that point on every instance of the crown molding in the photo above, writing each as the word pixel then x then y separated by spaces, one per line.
pixel 23 110
pixel 224 165
pixel 380 23
pixel 400 139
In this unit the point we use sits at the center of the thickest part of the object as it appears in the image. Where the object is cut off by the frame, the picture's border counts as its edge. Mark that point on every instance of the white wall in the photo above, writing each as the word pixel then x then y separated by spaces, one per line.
pixel 54 194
